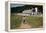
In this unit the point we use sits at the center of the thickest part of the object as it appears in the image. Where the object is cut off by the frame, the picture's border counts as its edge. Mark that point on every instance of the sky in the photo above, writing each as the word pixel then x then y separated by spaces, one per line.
pixel 16 5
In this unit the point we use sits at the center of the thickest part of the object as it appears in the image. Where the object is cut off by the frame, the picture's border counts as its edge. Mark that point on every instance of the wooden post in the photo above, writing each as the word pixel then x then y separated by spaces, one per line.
pixel 24 19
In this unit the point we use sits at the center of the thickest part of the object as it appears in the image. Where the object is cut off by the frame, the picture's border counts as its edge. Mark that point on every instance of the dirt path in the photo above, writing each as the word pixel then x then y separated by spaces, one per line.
pixel 25 26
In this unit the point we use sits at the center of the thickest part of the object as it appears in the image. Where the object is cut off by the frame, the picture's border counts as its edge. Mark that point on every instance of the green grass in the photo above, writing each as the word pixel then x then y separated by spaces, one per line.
pixel 34 21
pixel 15 21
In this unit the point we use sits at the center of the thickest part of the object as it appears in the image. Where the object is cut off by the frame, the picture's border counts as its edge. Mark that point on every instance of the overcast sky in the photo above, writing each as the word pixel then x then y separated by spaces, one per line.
pixel 16 5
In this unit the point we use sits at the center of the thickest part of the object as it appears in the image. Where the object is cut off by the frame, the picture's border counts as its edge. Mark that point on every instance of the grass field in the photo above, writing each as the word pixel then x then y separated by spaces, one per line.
pixel 34 21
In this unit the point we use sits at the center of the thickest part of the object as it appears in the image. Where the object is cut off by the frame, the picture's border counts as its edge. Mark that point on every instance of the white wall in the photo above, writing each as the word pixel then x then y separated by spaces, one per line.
pixel 2 16
pixel 27 11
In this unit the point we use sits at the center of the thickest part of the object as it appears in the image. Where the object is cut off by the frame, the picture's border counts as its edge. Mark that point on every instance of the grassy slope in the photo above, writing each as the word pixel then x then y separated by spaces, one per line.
pixel 15 21
pixel 32 20
pixel 35 21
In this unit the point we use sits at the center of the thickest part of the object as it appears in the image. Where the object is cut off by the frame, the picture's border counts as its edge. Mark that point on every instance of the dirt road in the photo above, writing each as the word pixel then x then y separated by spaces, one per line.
pixel 25 26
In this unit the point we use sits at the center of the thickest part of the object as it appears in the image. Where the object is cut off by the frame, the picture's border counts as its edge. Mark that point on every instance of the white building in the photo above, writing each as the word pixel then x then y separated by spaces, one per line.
pixel 28 12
